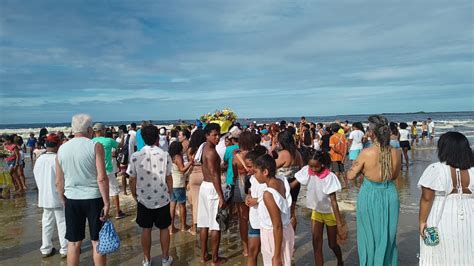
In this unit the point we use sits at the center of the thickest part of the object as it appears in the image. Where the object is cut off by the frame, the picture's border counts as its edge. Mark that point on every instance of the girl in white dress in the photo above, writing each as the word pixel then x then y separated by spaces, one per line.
pixel 447 203
pixel 276 233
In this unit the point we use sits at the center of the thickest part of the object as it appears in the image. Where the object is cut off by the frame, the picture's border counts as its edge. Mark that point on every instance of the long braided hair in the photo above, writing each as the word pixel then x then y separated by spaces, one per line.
pixel 379 126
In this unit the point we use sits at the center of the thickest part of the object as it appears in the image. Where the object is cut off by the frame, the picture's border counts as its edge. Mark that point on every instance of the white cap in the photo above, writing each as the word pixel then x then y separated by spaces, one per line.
pixel 233 129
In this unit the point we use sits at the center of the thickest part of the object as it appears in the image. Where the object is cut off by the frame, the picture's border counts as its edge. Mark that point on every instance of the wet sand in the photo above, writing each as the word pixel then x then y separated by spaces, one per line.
pixel 20 229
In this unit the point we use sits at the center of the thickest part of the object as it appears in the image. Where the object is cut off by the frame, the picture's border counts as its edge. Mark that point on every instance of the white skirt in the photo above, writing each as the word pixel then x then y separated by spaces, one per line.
pixel 456 235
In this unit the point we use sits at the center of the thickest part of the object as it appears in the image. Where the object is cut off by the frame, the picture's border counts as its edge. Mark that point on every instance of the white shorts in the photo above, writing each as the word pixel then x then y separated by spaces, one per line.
pixel 114 188
pixel 208 205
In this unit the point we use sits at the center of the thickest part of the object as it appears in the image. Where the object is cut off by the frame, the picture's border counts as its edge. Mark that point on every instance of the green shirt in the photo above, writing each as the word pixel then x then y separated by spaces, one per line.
pixel 108 144
pixel 229 154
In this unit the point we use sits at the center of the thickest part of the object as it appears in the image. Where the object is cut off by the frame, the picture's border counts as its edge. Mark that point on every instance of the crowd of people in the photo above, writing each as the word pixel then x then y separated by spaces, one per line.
pixel 256 172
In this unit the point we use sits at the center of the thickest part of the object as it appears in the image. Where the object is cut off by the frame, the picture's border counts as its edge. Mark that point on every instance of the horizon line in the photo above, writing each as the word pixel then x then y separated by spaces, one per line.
pixel 252 118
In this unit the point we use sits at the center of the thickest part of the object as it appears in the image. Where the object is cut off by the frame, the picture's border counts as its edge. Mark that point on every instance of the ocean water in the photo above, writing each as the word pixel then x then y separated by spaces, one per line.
pixel 444 121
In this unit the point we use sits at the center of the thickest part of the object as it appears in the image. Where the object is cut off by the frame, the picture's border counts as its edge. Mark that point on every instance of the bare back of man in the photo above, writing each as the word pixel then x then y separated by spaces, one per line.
pixel 212 174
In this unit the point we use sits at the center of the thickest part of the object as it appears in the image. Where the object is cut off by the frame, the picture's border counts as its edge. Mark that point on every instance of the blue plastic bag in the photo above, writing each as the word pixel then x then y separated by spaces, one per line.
pixel 109 240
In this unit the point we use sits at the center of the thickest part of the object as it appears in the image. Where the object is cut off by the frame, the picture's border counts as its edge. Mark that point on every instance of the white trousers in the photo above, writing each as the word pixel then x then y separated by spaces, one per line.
pixel 50 215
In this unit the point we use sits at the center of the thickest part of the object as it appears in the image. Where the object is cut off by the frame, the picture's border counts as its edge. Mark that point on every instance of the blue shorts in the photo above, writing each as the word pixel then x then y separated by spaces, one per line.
pixel 395 143
pixel 179 195
pixel 353 154
pixel 253 232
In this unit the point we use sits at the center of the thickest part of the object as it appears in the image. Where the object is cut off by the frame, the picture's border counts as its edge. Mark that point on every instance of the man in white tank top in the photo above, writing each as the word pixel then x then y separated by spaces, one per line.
pixel 83 186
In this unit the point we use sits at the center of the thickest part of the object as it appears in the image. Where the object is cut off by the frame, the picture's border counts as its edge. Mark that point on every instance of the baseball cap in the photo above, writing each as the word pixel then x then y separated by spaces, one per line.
pixel 98 127
pixel 52 140
pixel 264 131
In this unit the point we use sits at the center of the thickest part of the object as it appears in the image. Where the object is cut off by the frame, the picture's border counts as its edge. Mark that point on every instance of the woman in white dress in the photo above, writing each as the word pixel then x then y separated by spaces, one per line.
pixel 447 203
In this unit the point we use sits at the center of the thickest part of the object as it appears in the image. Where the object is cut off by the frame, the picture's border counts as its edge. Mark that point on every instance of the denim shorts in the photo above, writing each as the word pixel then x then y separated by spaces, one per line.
pixel 253 232
pixel 179 195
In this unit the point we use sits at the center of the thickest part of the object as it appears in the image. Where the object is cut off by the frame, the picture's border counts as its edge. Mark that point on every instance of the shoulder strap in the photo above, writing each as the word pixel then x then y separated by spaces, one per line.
pixel 446 194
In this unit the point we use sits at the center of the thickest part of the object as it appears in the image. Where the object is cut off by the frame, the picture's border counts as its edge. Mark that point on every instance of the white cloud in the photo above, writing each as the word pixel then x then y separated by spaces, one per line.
pixel 180 80
pixel 223 51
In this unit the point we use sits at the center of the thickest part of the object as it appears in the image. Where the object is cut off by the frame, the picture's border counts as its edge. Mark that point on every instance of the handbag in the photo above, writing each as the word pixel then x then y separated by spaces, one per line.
pixel 109 240
pixel 431 236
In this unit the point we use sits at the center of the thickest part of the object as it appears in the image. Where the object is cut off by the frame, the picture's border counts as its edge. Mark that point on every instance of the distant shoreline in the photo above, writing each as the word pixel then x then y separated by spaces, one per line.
pixel 172 121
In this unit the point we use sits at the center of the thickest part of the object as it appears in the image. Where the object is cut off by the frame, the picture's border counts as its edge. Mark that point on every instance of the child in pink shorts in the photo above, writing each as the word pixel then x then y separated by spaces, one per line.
pixel 274 212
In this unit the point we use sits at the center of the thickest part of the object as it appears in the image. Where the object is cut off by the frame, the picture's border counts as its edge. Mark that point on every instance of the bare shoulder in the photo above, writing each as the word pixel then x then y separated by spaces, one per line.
pixel 284 154
pixel 364 154
pixel 210 154
pixel 370 151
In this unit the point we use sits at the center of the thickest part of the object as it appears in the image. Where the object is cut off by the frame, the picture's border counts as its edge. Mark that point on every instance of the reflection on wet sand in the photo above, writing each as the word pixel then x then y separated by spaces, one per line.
pixel 20 230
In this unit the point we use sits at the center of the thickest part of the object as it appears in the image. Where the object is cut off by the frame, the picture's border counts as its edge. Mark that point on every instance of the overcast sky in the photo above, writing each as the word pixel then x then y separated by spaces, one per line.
pixel 134 60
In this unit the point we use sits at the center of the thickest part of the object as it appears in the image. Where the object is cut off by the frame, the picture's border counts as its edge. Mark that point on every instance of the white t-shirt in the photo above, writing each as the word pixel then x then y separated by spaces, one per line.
pixel 220 148
pixel 267 144
pixel 38 152
pixel 163 143
pixel 317 195
pixel 150 166
pixel 45 177
pixel 283 204
pixel 256 191
pixel 356 137
pixel 132 142
pixel 403 134
pixel 431 126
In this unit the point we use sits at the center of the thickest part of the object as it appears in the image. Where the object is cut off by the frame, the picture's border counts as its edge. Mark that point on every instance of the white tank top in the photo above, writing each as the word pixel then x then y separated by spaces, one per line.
pixel 284 205
pixel 77 160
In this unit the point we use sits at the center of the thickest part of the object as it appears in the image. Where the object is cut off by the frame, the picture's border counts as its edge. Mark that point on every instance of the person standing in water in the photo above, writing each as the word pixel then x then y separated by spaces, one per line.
pixel 404 141
pixel 431 130
pixel 414 133
pixel 31 143
pixel 424 132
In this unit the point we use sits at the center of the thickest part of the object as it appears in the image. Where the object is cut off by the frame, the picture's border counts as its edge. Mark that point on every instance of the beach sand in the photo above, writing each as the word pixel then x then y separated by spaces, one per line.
pixel 20 229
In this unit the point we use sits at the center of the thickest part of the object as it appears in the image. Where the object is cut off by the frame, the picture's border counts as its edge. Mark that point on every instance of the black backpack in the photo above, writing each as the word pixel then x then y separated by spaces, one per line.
pixel 122 156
